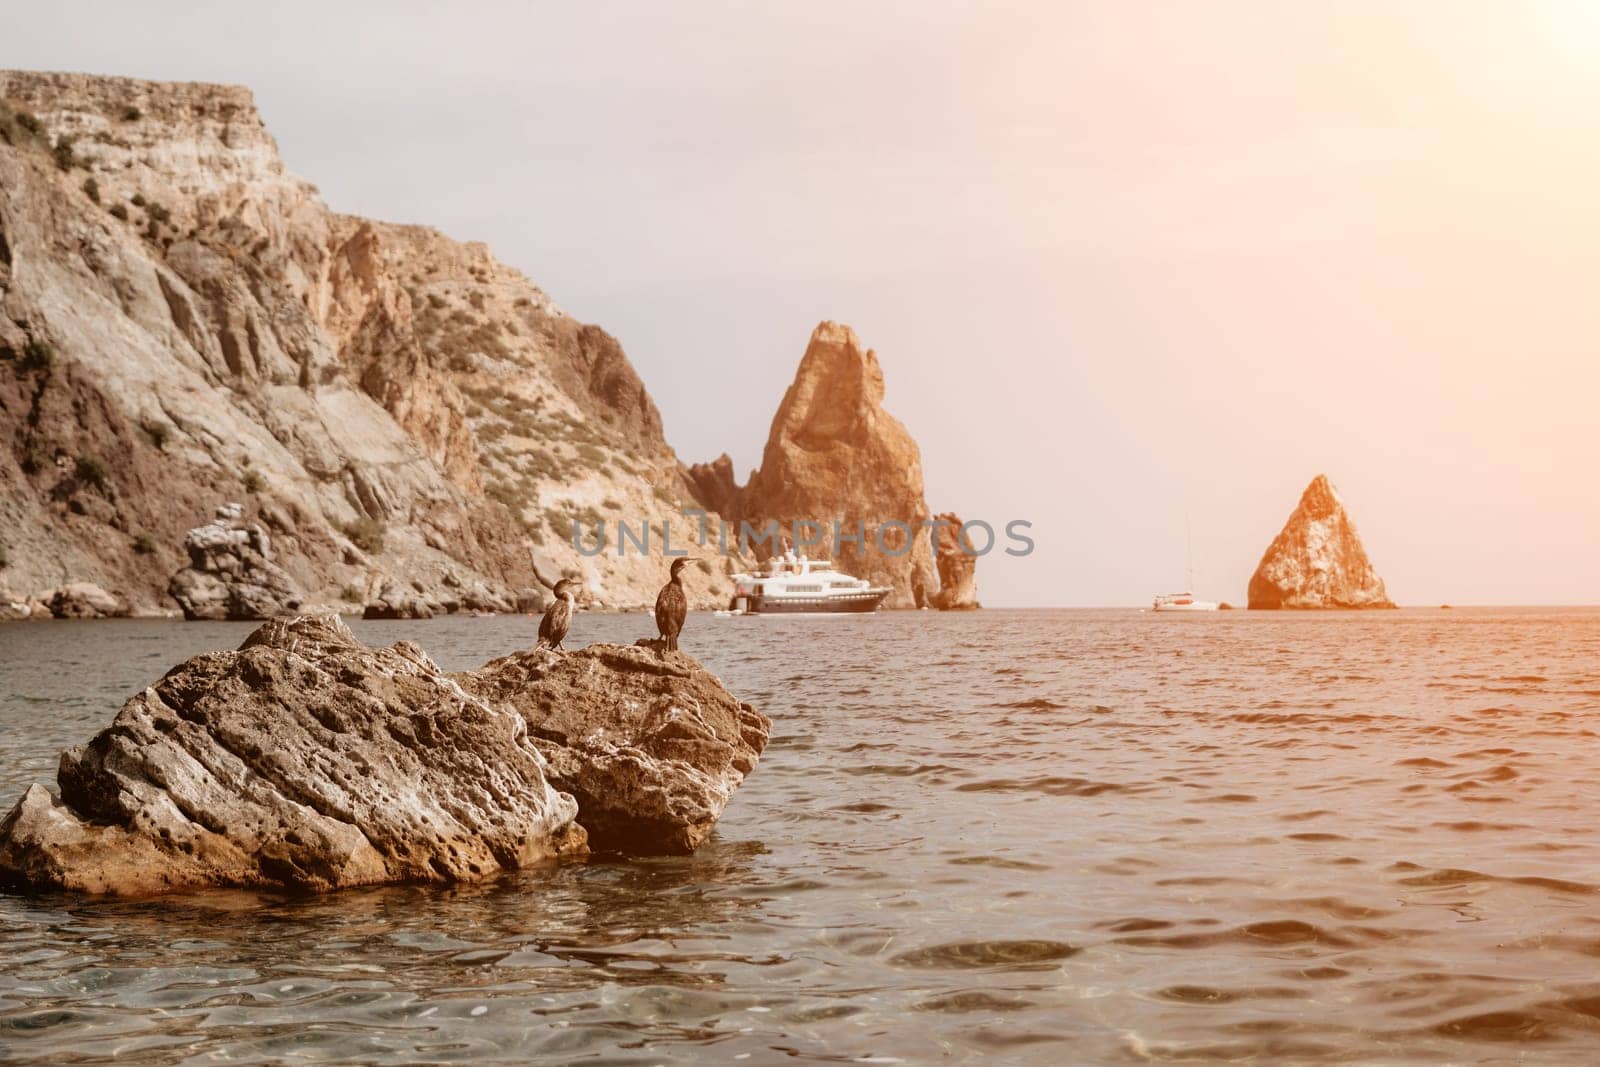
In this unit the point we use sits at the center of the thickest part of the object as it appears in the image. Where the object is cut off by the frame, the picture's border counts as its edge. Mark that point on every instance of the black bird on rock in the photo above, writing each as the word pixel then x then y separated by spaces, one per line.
pixel 672 606
pixel 558 618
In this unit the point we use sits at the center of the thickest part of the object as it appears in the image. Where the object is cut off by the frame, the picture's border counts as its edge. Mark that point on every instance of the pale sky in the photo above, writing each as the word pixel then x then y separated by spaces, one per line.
pixel 1120 261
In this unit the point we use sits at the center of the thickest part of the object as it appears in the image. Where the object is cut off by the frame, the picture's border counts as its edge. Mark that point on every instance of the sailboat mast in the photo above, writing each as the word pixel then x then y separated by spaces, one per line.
pixel 1188 539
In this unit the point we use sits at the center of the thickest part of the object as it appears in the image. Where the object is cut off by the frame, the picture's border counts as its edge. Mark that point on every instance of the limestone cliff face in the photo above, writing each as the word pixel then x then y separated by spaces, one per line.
pixel 184 322
pixel 835 454
pixel 1317 561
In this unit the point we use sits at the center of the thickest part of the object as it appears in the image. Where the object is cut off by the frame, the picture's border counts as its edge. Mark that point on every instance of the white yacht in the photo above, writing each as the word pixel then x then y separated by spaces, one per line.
pixel 793 584
pixel 1184 601
pixel 1181 602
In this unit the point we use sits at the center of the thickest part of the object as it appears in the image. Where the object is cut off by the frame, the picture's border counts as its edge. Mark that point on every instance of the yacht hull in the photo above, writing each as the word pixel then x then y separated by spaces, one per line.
pixel 848 603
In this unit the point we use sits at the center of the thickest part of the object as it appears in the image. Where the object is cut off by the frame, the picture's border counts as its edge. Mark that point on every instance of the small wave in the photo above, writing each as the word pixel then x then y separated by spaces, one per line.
pixel 1302 816
pixel 1137 924
pixel 1272 932
pixel 1201 994
pixel 1498 1026
pixel 900 770
pixel 972 1000
pixel 1051 785
pixel 1448 876
pixel 987 954
pixel 1000 862
pixel 1455 876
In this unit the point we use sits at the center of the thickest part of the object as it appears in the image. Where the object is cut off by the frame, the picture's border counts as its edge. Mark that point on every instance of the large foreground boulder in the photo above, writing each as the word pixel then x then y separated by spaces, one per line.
pixel 306 760
pixel 649 742
pixel 303 760
pixel 1317 560
pixel 230 573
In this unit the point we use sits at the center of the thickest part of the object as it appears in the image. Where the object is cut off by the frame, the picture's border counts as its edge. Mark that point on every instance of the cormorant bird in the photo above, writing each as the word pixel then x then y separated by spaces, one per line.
pixel 553 627
pixel 672 607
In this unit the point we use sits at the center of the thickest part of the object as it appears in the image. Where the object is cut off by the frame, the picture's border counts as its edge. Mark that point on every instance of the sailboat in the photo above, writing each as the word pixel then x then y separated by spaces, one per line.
pixel 1184 601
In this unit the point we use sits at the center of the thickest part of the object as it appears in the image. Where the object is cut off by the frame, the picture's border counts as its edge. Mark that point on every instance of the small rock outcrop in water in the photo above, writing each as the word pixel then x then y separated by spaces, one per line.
pixel 394 601
pixel 230 573
pixel 649 742
pixel 1317 561
pixel 76 600
pixel 307 760
pixel 957 558
pixel 84 600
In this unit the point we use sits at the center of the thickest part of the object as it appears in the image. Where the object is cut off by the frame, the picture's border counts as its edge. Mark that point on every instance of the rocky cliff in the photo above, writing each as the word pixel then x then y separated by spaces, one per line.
pixel 184 322
pixel 835 455
pixel 1317 561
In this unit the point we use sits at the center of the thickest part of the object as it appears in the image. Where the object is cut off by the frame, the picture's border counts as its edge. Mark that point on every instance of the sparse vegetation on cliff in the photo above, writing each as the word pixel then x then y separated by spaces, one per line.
pixel 144 544
pixel 20 129
pixel 92 471
pixel 38 355
pixel 65 157
pixel 542 463
pixel 367 534
pixel 509 495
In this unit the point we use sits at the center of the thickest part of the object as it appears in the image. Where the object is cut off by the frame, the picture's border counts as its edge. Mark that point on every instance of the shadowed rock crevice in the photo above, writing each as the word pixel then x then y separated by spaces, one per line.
pixel 306 760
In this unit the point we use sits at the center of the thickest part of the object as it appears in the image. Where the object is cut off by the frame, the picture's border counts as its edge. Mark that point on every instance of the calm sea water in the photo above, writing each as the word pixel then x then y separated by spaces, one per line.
pixel 1038 837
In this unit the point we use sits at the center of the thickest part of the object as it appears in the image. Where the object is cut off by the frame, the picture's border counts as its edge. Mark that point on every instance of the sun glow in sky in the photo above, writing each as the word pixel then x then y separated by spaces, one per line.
pixel 1120 262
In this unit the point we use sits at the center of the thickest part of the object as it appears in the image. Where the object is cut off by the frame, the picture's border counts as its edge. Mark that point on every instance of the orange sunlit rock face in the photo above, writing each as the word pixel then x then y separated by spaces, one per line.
pixel 835 454
pixel 1317 561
